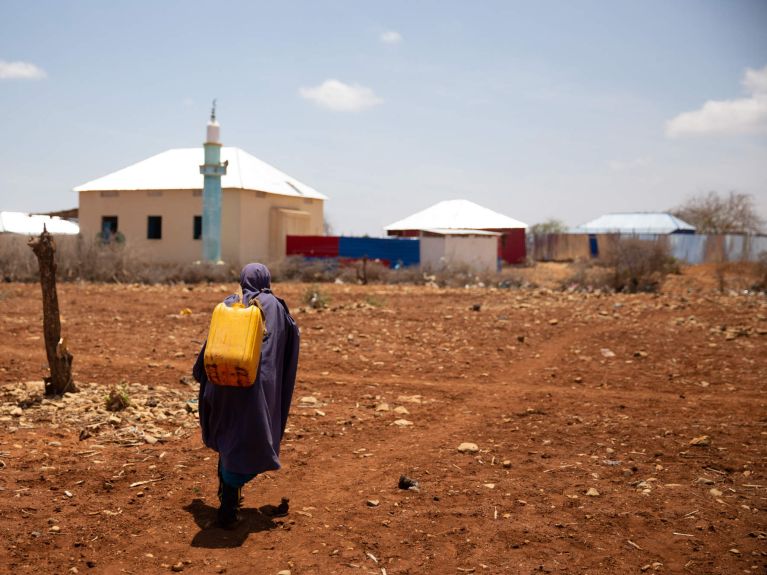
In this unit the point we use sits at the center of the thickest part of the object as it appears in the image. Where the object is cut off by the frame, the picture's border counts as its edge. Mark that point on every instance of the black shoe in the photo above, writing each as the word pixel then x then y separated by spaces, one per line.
pixel 230 499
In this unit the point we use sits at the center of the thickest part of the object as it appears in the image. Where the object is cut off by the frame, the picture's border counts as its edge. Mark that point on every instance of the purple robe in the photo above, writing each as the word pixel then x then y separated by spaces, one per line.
pixel 245 424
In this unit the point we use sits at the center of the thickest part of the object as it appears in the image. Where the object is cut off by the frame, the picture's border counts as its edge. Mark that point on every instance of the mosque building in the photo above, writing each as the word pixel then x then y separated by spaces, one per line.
pixel 211 203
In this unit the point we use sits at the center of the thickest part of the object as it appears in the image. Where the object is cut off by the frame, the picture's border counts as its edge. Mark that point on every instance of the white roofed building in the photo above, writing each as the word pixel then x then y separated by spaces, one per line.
pixel 455 215
pixel 32 224
pixel 156 206
pixel 638 223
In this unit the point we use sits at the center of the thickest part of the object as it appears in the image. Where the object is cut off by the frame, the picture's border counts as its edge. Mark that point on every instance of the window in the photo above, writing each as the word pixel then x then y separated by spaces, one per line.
pixel 197 228
pixel 108 225
pixel 154 227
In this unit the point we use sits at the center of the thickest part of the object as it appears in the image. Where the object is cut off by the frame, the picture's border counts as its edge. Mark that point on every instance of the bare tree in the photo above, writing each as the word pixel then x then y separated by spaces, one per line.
pixel 550 226
pixel 713 213
pixel 59 358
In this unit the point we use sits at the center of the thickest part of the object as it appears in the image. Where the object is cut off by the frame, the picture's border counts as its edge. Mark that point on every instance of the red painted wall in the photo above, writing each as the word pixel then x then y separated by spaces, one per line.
pixel 312 246
pixel 511 246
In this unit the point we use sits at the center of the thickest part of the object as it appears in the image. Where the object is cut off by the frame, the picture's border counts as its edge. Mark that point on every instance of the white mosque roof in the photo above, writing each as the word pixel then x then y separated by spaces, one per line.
pixel 456 215
pixel 32 225
pixel 636 223
pixel 179 169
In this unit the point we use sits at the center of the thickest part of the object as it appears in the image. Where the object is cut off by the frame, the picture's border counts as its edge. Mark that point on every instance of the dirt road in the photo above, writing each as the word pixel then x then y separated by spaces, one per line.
pixel 583 408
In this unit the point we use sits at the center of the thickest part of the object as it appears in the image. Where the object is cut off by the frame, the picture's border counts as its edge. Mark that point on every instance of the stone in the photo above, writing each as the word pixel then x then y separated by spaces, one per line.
pixel 702 441
pixel 402 423
pixel 178 567
pixel 373 502
pixel 506 464
pixel 468 448
pixel 704 481
pixel 382 407
pixel 401 410
pixel 308 400
pixel 406 482
pixel 410 398
pixel 592 492
pixel 715 492
pixel 284 572
pixel 607 352
pixel 16 411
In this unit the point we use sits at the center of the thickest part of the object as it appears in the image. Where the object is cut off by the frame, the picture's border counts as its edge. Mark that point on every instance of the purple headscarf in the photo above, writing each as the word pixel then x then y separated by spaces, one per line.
pixel 245 425
pixel 254 278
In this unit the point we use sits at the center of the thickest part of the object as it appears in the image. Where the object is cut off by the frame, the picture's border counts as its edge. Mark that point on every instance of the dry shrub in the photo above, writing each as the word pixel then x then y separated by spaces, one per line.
pixel 82 259
pixel 300 269
pixel 460 275
pixel 631 265
pixel 761 273
pixel 639 265
pixel 17 262
pixel 319 270
pixel 589 276
pixel 316 298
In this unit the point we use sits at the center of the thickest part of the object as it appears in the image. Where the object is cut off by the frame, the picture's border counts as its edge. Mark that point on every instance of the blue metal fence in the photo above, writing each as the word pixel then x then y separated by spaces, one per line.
pixel 396 251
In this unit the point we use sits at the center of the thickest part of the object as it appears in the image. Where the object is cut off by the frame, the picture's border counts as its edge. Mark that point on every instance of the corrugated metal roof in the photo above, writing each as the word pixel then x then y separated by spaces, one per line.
pixel 635 223
pixel 456 214
pixel 179 169
pixel 32 225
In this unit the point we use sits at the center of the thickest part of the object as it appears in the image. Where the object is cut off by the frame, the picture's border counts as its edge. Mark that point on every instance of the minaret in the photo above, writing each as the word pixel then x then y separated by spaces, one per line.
pixel 212 170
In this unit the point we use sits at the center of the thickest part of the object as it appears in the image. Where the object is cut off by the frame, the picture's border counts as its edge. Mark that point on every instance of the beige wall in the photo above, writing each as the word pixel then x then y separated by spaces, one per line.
pixel 265 223
pixel 480 253
pixel 248 228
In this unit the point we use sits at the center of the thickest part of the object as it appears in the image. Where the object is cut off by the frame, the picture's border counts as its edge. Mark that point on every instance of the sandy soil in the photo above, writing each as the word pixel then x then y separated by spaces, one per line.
pixel 583 408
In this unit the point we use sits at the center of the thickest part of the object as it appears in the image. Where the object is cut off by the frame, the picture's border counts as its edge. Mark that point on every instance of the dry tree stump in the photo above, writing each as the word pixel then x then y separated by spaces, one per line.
pixel 59 359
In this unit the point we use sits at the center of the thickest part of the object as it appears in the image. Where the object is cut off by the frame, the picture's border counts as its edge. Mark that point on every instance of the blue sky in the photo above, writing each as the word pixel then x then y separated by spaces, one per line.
pixel 538 109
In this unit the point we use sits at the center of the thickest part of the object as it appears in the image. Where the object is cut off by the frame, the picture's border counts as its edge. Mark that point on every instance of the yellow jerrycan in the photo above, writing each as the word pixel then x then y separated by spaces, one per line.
pixel 233 350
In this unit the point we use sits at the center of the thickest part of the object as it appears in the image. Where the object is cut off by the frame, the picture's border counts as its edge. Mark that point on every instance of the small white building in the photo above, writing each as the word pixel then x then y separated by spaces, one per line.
pixel 462 222
pixel 32 224
pixel 445 248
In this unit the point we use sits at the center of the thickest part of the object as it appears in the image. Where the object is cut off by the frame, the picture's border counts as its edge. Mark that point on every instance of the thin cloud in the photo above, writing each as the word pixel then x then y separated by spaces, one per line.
pixel 742 115
pixel 340 97
pixel 390 37
pixel 20 71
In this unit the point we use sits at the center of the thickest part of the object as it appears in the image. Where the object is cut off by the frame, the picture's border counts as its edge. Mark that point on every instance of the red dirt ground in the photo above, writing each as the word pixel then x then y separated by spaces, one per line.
pixel 574 391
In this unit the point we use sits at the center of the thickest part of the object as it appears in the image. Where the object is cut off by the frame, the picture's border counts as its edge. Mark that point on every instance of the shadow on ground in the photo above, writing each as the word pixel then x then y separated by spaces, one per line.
pixel 211 536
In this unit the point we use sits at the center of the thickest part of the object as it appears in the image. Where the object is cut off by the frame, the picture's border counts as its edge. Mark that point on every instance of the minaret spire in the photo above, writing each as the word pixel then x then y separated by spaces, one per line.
pixel 212 170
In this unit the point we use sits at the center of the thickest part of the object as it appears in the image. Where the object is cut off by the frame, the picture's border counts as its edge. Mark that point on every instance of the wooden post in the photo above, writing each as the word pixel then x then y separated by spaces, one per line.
pixel 363 277
pixel 59 359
